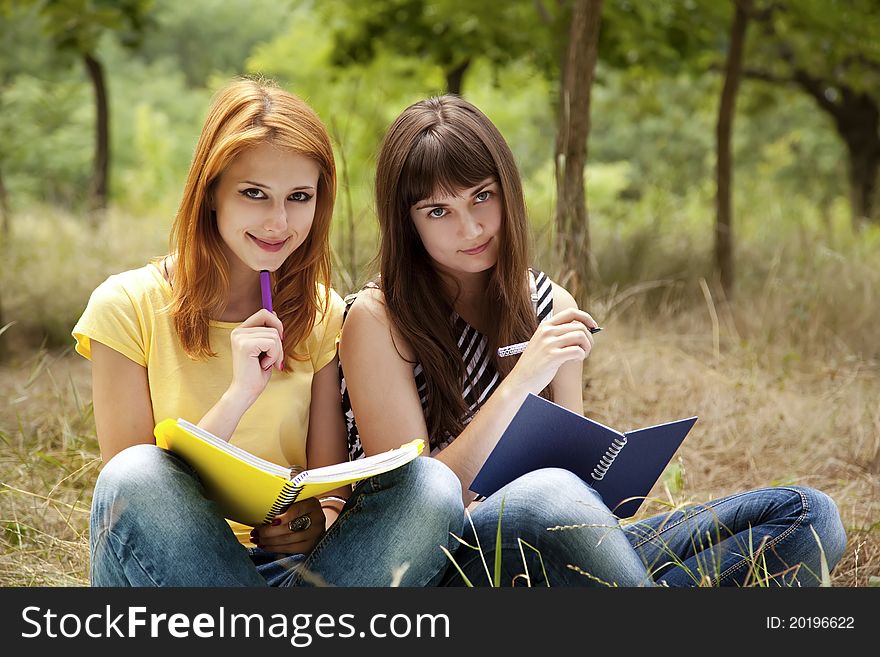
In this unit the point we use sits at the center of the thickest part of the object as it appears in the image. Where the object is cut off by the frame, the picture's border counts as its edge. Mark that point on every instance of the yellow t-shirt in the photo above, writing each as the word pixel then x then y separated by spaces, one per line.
pixel 126 313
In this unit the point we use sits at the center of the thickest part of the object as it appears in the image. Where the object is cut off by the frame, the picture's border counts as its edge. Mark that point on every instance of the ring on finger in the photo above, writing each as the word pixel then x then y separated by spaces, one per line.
pixel 299 524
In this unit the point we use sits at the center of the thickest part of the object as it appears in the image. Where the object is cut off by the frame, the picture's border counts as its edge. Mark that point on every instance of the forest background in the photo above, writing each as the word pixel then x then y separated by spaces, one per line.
pixel 703 174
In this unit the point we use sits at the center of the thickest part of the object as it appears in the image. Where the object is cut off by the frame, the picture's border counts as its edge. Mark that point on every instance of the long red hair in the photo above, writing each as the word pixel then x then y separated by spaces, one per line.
pixel 244 114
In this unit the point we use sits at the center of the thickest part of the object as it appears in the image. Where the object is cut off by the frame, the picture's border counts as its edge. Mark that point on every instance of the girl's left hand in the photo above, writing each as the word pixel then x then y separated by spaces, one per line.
pixel 290 533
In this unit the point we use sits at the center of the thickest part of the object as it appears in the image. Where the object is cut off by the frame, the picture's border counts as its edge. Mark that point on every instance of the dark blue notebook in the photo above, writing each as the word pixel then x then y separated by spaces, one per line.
pixel 622 467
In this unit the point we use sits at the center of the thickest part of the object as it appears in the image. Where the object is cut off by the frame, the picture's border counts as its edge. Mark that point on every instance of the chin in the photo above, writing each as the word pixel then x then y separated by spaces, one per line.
pixel 479 267
pixel 270 262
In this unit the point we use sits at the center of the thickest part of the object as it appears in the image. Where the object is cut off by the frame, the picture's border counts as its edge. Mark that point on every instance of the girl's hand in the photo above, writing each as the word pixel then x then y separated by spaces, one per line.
pixel 562 338
pixel 256 349
pixel 280 537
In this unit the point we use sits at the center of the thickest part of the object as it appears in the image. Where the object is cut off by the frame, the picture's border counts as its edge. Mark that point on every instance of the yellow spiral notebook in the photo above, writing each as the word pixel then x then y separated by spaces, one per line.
pixel 251 490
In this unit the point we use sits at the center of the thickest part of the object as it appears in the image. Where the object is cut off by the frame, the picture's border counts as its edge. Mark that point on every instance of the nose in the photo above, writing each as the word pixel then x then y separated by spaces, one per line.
pixel 276 220
pixel 470 226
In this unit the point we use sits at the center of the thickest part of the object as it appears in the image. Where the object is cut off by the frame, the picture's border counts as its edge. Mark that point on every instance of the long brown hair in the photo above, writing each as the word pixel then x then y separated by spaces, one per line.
pixel 244 114
pixel 447 144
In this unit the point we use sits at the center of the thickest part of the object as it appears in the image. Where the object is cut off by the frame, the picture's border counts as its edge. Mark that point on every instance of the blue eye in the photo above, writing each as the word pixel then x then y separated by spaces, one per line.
pixel 437 213
pixel 483 196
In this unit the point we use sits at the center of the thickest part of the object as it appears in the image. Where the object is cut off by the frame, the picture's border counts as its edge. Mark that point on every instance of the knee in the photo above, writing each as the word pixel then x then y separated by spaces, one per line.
pixel 437 490
pixel 133 479
pixel 554 496
pixel 137 465
pixel 824 517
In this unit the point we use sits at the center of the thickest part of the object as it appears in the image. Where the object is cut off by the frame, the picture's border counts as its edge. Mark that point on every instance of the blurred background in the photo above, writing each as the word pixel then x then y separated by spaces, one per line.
pixel 702 173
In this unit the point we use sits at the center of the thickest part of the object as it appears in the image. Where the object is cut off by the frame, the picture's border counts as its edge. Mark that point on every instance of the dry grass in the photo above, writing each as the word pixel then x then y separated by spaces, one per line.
pixel 764 420
pixel 48 469
pixel 816 427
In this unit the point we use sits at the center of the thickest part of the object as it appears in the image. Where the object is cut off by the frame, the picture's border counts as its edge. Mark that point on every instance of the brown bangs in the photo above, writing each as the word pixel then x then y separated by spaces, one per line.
pixel 444 159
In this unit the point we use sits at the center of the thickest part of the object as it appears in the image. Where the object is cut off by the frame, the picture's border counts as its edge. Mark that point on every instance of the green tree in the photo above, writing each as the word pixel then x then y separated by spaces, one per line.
pixel 448 33
pixel 831 52
pixel 827 49
pixel 76 27
pixel 573 129
pixel 205 38
pixel 724 128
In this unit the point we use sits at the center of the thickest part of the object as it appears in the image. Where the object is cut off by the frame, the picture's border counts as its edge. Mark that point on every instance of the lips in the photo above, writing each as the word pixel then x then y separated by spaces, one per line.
pixel 477 249
pixel 272 246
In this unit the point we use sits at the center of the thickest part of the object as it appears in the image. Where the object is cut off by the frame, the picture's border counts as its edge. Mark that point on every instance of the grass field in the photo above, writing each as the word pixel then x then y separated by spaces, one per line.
pixel 786 382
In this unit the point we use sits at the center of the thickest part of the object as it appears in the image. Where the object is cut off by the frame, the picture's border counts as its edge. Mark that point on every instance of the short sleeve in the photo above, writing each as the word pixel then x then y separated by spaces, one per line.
pixel 329 329
pixel 112 317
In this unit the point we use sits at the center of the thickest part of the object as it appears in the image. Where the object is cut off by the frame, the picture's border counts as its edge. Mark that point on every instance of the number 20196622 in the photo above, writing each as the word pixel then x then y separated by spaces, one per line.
pixel 810 623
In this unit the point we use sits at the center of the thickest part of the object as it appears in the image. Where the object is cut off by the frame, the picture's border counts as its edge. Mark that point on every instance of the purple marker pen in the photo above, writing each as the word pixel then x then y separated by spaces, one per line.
pixel 266 289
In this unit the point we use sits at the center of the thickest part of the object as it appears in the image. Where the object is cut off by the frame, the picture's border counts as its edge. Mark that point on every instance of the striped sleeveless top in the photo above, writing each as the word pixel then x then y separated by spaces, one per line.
pixel 480 379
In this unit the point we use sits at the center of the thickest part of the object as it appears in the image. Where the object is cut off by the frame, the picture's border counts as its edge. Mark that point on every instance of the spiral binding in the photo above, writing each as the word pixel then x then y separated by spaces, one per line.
pixel 287 496
pixel 289 492
pixel 607 459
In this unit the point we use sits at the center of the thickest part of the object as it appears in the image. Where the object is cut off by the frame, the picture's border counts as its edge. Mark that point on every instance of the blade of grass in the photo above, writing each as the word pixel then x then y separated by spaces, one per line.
pixel 540 560
pixel 457 567
pixel 497 578
pixel 823 562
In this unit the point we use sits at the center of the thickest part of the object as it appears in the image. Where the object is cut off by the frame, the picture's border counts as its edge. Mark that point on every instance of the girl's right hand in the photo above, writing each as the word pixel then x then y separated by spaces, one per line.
pixel 562 338
pixel 256 349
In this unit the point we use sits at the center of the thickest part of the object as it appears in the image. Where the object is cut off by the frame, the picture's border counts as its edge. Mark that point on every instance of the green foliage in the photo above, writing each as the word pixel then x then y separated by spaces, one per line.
pixel 77 25
pixel 447 33
pixel 657 36
pixel 211 37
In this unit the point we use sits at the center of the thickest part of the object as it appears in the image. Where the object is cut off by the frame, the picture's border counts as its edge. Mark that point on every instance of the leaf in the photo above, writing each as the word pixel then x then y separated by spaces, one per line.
pixel 457 567
pixel 50 459
pixel 673 477
pixel 498 547
pixel 823 562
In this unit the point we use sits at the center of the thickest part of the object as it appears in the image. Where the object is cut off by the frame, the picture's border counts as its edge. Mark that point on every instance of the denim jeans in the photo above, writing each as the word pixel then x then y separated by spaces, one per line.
pixel 761 536
pixel 151 525
pixel 585 547
pixel 757 537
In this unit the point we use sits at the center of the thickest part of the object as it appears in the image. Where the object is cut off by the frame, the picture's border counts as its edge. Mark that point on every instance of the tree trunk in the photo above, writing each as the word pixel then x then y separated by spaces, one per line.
pixel 858 122
pixel 864 165
pixel 101 171
pixel 455 77
pixel 724 129
pixel 856 117
pixel 572 218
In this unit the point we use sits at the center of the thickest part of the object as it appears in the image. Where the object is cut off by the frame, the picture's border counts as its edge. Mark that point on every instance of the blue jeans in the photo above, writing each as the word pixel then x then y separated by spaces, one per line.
pixel 761 536
pixel 585 547
pixel 151 525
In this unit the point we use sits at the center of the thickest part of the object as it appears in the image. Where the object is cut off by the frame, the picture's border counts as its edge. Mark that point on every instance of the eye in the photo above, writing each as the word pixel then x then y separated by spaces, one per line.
pixel 301 197
pixel 483 196
pixel 437 213
pixel 253 192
